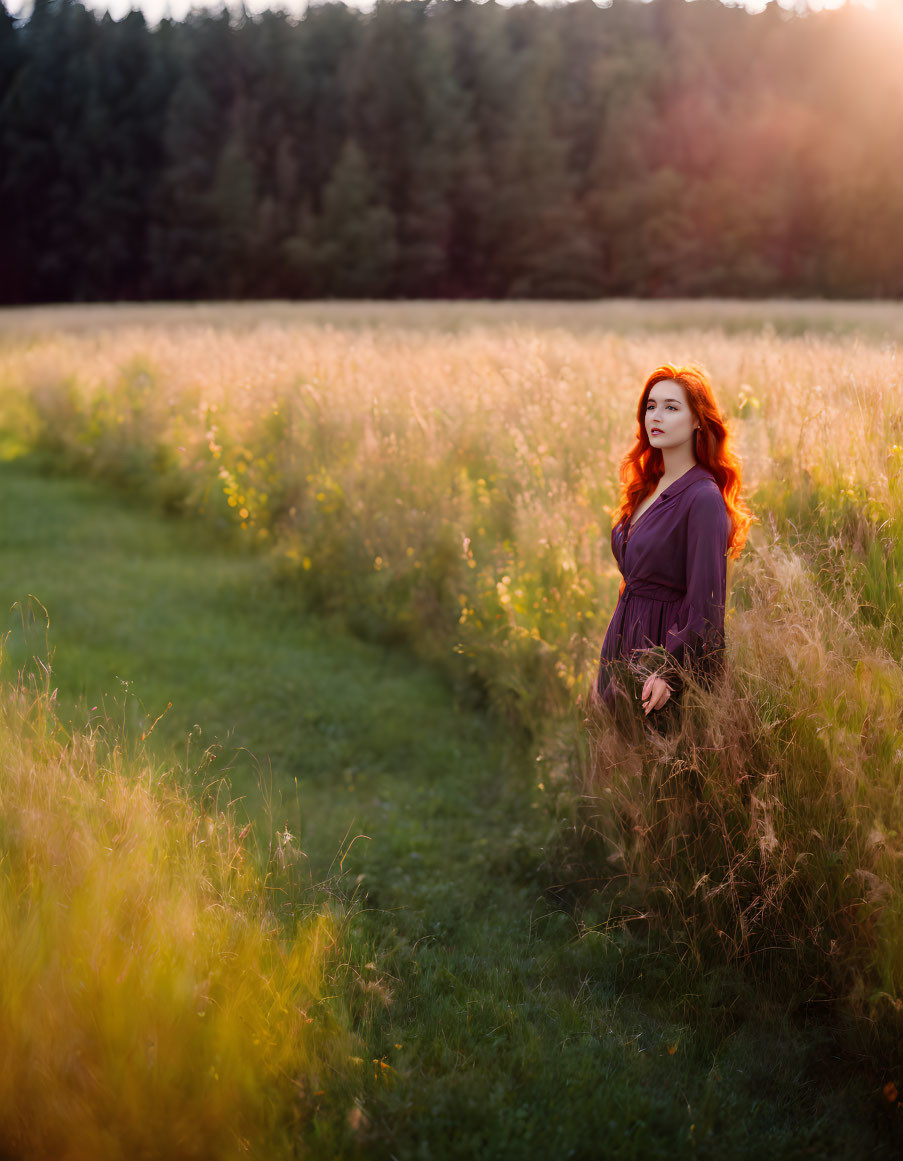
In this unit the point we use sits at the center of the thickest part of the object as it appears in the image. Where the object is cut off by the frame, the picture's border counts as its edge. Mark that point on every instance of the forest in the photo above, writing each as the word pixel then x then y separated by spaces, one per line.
pixel 449 149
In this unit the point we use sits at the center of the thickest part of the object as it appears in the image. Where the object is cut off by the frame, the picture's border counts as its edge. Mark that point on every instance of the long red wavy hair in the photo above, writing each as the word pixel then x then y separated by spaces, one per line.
pixel 644 465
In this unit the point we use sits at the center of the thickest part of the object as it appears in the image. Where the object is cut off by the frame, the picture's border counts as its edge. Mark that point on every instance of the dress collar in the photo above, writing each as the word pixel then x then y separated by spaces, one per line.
pixel 698 471
pixel 689 477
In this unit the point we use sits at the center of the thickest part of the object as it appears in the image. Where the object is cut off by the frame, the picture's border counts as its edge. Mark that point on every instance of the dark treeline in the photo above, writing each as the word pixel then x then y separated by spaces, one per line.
pixel 451 149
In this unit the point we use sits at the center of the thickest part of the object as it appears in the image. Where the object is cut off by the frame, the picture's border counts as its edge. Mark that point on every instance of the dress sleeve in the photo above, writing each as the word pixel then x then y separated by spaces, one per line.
pixel 696 637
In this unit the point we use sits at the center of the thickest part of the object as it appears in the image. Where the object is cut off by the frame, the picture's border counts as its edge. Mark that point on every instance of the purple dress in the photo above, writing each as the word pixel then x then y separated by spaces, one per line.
pixel 671 612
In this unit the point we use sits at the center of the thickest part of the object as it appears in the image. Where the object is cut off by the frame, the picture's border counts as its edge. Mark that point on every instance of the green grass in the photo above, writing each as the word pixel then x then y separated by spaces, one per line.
pixel 515 1026
pixel 145 611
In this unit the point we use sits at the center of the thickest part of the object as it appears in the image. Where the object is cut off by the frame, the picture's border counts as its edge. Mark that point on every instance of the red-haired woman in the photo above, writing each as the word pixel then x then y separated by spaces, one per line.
pixel 679 520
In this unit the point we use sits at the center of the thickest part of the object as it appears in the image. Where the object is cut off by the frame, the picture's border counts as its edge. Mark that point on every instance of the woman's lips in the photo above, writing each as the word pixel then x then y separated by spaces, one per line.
pixel 656 431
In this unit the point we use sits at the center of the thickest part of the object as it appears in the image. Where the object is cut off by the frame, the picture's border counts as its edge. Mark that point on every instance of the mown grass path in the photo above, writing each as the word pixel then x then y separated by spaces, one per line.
pixel 507 1022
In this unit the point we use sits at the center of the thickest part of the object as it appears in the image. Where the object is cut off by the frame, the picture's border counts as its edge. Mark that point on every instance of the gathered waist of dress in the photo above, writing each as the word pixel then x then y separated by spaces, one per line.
pixel 641 588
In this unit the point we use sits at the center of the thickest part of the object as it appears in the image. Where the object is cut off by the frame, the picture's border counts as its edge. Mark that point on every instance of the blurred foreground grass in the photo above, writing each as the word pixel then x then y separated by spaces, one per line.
pixel 161 993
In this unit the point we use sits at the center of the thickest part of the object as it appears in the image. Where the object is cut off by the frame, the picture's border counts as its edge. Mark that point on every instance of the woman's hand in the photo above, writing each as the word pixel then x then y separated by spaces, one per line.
pixel 656 692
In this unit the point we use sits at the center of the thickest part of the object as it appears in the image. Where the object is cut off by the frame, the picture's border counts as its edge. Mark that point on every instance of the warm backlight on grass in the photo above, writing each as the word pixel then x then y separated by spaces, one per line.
pixel 151 1003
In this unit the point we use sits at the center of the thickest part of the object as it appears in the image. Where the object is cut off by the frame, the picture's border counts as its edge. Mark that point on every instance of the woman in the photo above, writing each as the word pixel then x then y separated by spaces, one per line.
pixel 679 519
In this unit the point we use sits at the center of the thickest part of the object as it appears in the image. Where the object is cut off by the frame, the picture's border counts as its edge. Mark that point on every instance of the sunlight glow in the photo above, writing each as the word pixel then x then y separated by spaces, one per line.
pixel 157 10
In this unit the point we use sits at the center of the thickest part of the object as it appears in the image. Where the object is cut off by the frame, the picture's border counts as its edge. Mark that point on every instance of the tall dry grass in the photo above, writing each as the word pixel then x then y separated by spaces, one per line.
pixel 764 829
pixel 152 1001
pixel 452 490
pixel 775 316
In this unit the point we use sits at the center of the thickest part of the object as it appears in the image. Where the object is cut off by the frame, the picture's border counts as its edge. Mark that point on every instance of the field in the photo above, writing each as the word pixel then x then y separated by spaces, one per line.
pixel 363 551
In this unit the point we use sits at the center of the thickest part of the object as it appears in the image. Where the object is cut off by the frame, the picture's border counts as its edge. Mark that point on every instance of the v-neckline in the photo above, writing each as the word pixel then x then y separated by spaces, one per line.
pixel 631 524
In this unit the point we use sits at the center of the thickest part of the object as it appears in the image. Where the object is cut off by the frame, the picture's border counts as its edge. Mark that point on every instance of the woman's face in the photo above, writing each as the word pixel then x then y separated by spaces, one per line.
pixel 669 420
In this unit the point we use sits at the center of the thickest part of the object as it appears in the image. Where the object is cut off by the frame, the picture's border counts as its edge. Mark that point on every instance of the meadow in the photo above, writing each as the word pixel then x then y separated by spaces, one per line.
pixel 366 546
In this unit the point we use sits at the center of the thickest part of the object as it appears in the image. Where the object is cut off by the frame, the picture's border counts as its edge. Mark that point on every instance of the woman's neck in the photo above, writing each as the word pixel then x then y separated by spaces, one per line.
pixel 676 465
